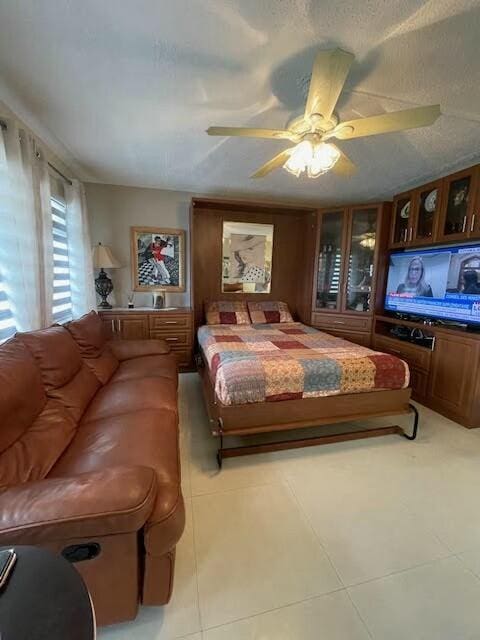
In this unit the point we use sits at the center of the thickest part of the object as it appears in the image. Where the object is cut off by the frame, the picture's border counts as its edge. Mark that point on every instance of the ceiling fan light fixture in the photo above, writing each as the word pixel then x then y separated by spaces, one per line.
pixel 319 123
pixel 315 159
pixel 324 158
pixel 300 157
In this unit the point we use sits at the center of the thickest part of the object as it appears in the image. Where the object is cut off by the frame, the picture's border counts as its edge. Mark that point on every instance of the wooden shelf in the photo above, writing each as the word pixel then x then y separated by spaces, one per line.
pixel 445 378
pixel 433 328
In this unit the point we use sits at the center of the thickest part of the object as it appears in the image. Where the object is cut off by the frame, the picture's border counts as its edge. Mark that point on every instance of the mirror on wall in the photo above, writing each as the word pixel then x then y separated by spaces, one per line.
pixel 247 257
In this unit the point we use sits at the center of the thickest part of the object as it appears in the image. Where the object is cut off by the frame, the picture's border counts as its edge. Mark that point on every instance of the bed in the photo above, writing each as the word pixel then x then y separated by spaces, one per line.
pixel 272 377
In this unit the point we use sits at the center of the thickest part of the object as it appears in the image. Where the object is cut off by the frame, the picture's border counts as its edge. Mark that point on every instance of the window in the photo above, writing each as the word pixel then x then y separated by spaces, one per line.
pixel 7 322
pixel 62 300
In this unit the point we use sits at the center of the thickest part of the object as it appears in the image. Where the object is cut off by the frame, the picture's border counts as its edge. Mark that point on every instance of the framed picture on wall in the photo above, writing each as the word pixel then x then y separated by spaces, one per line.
pixel 247 257
pixel 158 259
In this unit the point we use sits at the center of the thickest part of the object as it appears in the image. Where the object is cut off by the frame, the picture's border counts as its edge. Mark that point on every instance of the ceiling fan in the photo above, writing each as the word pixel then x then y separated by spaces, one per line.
pixel 313 152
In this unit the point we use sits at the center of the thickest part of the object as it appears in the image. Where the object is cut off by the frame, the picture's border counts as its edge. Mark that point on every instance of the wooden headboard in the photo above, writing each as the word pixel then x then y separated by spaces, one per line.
pixel 292 259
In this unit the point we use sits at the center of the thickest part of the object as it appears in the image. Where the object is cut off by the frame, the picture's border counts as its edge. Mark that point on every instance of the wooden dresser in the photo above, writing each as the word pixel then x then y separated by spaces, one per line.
pixel 445 378
pixel 173 324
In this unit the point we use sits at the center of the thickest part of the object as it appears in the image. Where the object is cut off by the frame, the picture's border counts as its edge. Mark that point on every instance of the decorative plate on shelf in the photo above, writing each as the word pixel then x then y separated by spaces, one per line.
pixel 405 210
pixel 431 201
pixel 460 196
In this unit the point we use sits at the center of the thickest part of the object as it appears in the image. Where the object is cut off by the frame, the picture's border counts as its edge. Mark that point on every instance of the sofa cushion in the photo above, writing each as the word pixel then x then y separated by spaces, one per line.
pixel 131 396
pixel 36 451
pixel 146 367
pixel 76 395
pixel 149 438
pixel 166 523
pixel 22 395
pixel 128 349
pixel 105 502
pixel 146 437
pixel 103 366
pixel 56 354
pixel 89 334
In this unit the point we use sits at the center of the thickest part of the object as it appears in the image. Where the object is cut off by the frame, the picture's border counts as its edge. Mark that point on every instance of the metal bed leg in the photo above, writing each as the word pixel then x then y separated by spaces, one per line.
pixel 220 448
pixel 415 424
pixel 307 442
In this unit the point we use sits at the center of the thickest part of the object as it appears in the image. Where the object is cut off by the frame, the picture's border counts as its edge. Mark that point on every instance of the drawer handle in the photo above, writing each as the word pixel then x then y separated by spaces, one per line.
pixel 338 322
pixel 171 339
pixel 170 322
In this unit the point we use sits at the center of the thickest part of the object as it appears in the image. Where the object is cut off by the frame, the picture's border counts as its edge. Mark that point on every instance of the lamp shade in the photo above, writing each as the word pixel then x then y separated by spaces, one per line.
pixel 103 257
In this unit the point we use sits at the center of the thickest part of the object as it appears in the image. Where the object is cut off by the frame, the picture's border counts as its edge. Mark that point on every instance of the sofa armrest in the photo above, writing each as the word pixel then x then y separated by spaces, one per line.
pixel 111 501
pixel 128 349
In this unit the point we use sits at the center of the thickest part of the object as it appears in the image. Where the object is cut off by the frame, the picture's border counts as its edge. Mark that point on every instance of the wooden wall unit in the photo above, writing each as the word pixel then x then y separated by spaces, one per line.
pixel 447 378
pixel 344 286
pixel 455 367
pixel 291 260
pixel 455 218
pixel 175 326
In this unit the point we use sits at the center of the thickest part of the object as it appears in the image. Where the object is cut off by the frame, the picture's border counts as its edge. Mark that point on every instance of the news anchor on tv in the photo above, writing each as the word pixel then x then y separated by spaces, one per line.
pixel 414 284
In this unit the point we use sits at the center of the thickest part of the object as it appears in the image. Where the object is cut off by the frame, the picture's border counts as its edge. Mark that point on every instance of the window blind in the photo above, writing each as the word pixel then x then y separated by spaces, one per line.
pixel 7 321
pixel 62 298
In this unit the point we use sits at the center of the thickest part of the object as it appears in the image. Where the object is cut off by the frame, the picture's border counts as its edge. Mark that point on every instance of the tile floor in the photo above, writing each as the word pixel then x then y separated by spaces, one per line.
pixel 375 539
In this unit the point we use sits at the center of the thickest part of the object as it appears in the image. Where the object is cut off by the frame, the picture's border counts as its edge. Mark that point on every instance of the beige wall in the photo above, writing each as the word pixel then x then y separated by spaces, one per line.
pixel 113 210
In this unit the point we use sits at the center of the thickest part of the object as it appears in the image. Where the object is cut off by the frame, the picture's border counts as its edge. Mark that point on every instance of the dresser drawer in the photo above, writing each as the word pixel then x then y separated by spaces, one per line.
pixel 336 321
pixel 358 337
pixel 173 338
pixel 416 357
pixel 167 322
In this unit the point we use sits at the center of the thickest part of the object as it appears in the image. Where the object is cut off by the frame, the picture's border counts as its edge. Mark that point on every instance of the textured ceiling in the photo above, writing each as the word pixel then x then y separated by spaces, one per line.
pixel 130 86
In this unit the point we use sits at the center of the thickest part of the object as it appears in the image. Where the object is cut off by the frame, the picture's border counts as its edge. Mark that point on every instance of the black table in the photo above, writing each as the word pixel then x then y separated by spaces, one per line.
pixel 45 599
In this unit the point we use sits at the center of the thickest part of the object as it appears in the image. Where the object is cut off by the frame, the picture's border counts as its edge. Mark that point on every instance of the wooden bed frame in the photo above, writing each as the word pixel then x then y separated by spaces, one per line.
pixel 293 236
pixel 285 415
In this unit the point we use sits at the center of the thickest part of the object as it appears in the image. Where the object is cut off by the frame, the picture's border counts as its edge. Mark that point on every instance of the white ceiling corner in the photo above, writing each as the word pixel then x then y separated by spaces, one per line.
pixel 129 88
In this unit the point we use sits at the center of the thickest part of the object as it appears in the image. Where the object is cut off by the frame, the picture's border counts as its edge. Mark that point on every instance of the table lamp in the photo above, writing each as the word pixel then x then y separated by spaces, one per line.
pixel 103 259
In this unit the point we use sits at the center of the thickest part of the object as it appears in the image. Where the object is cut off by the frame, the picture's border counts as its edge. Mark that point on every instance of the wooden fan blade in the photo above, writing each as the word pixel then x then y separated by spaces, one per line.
pixel 387 122
pixel 279 134
pixel 329 73
pixel 344 166
pixel 272 164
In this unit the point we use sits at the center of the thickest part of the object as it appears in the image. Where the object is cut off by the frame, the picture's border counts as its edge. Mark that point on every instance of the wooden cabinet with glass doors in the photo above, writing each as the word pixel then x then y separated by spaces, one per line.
pixel 446 210
pixel 346 260
pixel 415 215
pixel 460 216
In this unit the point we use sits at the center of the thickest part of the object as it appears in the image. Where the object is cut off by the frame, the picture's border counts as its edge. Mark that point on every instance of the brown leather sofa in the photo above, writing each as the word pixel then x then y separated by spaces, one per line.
pixel 89 459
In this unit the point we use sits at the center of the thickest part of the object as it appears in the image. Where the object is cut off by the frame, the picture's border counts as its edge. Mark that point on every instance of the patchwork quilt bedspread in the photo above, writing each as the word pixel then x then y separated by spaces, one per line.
pixel 285 361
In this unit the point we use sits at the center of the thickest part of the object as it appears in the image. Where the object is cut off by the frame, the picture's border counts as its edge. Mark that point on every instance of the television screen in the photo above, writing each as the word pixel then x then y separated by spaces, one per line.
pixel 437 283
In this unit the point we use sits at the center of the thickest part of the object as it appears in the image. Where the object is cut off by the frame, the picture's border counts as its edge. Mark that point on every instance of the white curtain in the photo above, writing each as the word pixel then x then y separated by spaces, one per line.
pixel 25 261
pixel 38 193
pixel 79 251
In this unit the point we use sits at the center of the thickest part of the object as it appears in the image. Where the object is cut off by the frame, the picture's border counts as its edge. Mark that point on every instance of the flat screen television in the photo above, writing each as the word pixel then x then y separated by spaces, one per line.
pixel 441 283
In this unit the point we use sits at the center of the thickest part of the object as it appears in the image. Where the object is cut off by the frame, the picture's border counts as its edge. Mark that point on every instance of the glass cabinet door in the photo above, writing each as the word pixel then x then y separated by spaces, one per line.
pixel 402 219
pixel 457 210
pixel 428 206
pixel 361 260
pixel 329 266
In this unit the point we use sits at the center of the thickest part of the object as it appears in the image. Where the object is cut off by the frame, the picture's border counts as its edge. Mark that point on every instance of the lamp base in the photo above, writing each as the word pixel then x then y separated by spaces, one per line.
pixel 104 305
pixel 103 286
